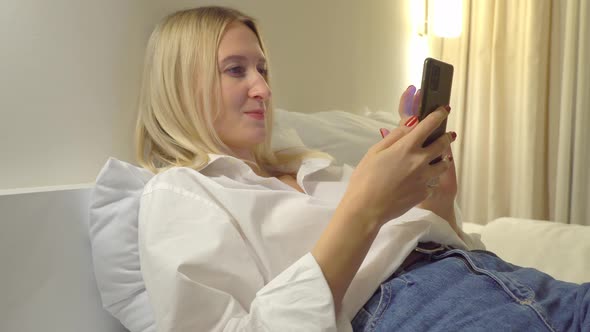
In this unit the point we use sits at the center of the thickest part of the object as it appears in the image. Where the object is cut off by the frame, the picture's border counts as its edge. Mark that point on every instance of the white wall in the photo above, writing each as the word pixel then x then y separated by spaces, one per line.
pixel 336 54
pixel 71 69
pixel 68 87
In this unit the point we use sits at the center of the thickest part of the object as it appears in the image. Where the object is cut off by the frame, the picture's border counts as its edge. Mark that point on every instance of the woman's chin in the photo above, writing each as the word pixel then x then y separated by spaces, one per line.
pixel 252 143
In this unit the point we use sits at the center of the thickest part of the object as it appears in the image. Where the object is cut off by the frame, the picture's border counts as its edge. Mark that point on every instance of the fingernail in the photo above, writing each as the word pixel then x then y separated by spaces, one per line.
pixel 409 87
pixel 449 158
pixel 448 108
pixel 411 121
pixel 384 132
pixel 453 136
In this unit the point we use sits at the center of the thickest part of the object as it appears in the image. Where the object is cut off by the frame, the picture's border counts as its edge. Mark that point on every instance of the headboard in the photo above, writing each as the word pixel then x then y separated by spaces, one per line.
pixel 47 281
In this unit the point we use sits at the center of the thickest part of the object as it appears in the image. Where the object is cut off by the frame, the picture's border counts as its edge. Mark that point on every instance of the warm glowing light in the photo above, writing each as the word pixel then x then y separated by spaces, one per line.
pixel 418 16
pixel 418 48
pixel 445 18
pixel 418 51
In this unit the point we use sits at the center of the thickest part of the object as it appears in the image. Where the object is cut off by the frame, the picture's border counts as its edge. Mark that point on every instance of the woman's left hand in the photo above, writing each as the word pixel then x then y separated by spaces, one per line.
pixel 444 189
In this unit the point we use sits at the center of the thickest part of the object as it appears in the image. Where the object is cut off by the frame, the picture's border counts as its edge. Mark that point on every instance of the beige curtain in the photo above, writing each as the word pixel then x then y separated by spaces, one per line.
pixel 570 113
pixel 521 107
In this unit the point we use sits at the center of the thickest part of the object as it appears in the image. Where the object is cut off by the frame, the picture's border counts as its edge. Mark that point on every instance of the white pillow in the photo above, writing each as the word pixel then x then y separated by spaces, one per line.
pixel 283 138
pixel 561 250
pixel 113 234
pixel 345 136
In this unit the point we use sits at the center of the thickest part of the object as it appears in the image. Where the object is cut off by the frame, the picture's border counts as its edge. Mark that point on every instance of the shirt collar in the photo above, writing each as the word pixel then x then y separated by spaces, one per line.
pixel 232 164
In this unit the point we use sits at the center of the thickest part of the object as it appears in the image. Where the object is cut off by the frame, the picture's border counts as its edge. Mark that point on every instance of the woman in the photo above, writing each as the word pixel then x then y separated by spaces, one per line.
pixel 234 236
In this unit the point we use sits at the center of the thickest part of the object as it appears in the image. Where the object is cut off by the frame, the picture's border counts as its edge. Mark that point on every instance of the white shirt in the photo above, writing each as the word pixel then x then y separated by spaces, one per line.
pixel 224 249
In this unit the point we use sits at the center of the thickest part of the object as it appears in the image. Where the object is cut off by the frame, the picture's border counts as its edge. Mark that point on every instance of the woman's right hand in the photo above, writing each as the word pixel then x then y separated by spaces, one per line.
pixel 392 176
pixel 390 179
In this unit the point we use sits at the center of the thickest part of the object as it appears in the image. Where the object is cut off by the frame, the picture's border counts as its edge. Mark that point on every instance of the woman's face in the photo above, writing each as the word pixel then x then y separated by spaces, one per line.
pixel 244 90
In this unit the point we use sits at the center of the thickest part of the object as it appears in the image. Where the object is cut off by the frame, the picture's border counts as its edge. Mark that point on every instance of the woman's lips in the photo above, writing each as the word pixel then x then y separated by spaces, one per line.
pixel 258 115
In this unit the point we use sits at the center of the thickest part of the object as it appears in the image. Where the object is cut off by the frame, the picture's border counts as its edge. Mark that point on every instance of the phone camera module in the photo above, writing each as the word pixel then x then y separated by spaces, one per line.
pixel 434 81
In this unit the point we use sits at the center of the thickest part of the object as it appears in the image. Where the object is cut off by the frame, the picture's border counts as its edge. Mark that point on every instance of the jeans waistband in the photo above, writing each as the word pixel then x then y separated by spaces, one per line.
pixel 431 247
pixel 422 252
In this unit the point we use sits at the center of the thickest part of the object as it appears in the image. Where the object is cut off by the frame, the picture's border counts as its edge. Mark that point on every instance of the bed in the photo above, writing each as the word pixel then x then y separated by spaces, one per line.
pixel 48 281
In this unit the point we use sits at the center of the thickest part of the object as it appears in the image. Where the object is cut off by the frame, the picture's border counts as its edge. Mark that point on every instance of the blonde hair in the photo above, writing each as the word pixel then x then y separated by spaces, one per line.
pixel 180 95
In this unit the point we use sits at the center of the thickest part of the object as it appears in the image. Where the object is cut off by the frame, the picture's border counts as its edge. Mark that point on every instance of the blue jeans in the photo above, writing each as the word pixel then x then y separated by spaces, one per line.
pixel 457 290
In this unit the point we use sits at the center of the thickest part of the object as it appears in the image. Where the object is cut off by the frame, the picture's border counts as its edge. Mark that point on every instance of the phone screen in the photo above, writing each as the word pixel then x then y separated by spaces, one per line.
pixel 437 78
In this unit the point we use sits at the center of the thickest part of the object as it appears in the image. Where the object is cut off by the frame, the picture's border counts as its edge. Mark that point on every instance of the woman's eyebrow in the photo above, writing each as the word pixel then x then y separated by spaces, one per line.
pixel 240 58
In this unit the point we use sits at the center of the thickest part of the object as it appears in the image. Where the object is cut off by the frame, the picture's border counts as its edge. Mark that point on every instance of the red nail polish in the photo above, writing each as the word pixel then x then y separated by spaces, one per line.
pixel 448 108
pixel 453 136
pixel 383 132
pixel 450 158
pixel 411 121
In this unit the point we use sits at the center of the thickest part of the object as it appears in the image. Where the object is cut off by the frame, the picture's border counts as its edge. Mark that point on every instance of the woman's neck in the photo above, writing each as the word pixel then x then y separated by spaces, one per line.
pixel 248 156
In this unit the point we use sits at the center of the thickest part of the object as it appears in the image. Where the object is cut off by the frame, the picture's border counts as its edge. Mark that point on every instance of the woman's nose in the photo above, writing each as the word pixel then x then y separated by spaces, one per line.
pixel 260 89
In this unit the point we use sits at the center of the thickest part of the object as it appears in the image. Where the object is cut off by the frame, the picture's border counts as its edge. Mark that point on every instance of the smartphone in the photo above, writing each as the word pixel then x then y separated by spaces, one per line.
pixel 437 78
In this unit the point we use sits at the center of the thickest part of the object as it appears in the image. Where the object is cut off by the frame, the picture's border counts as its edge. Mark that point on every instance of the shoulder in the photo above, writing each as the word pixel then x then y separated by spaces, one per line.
pixel 175 177
pixel 178 191
pixel 181 181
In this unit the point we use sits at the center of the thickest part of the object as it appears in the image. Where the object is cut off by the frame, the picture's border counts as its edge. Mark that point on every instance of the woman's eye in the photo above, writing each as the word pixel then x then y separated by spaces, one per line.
pixel 263 71
pixel 236 71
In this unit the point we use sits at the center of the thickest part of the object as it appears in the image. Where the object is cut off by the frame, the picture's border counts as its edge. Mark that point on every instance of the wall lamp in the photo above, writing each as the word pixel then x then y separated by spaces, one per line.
pixel 441 18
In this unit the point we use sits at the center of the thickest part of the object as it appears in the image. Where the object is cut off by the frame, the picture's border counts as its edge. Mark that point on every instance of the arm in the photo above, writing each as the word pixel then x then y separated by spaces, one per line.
pixel 343 246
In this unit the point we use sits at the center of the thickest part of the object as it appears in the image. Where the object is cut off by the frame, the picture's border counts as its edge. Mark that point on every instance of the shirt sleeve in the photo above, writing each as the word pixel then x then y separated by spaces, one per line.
pixel 201 274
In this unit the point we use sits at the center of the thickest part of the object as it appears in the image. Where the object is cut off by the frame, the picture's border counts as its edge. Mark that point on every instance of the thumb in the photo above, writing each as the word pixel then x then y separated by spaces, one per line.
pixel 406 101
